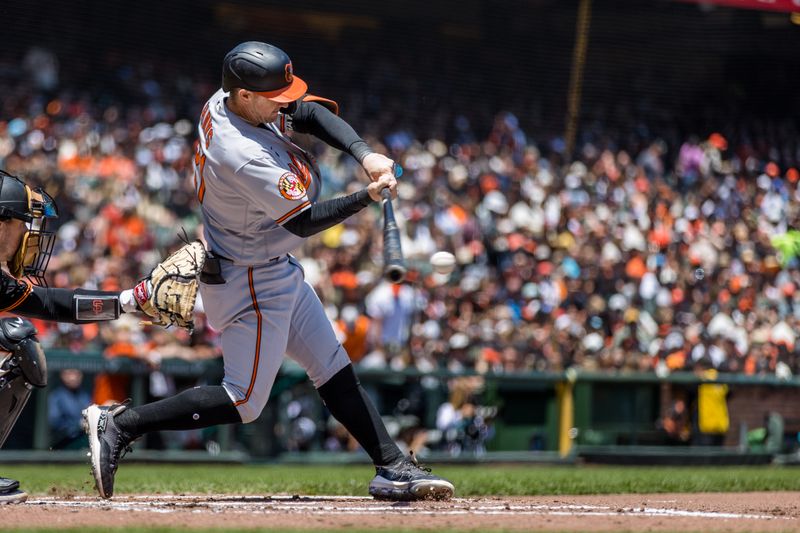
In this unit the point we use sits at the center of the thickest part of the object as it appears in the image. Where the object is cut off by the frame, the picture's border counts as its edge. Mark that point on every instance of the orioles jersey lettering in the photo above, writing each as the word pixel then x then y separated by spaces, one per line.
pixel 206 134
pixel 199 166
pixel 205 126
pixel 300 169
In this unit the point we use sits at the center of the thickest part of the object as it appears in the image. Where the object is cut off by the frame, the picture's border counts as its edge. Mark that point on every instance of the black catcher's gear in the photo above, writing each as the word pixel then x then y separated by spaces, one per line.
pixel 21 369
pixel 34 207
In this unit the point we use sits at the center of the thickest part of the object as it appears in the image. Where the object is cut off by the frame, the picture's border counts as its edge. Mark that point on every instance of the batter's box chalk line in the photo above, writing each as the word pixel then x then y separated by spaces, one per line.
pixel 328 505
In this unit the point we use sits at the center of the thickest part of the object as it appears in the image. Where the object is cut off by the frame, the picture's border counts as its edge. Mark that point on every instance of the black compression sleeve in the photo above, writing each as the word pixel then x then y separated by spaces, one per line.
pixel 325 214
pixel 318 121
pixel 195 408
pixel 348 402
pixel 54 304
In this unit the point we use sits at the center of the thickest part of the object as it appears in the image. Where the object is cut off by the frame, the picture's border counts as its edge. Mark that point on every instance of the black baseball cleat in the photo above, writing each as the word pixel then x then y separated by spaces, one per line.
pixel 9 491
pixel 107 444
pixel 405 480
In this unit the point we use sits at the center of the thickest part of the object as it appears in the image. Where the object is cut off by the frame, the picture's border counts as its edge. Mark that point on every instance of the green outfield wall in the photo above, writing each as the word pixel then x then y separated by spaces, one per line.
pixel 560 416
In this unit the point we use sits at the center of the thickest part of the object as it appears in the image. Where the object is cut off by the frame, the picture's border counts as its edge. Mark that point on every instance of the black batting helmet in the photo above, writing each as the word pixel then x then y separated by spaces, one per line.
pixel 263 69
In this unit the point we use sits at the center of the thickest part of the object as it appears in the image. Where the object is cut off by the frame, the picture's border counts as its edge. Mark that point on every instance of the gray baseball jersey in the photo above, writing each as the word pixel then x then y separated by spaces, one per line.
pixel 249 180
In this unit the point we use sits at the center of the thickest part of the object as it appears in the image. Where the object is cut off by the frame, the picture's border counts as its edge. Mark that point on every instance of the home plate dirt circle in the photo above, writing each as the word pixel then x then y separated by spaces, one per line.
pixel 777 511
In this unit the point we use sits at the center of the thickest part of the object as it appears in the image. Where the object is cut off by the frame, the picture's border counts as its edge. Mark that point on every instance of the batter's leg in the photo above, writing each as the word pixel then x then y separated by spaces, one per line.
pixel 313 344
pixel 253 346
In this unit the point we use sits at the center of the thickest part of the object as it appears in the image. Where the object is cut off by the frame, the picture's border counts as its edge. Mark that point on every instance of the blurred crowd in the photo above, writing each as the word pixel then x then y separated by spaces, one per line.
pixel 649 255
pixel 655 259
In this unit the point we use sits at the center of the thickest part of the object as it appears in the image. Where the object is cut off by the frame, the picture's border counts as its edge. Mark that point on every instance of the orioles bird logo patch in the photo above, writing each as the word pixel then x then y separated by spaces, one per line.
pixel 288 72
pixel 291 187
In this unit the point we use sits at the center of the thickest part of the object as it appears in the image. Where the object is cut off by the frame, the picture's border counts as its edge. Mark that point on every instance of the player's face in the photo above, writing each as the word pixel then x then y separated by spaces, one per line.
pixel 11 232
pixel 254 108
pixel 265 109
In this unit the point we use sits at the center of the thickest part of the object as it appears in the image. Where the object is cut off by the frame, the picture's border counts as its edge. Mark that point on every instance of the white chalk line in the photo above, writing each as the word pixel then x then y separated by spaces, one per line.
pixel 326 505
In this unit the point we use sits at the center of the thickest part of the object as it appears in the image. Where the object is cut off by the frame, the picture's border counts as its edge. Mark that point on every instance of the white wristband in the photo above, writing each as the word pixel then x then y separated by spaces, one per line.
pixel 127 301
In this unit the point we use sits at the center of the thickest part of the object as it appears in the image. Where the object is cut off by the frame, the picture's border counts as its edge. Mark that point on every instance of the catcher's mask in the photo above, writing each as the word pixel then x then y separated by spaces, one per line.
pixel 34 207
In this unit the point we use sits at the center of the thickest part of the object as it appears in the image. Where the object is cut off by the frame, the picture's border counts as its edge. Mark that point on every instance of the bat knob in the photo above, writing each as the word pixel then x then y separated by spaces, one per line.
pixel 395 274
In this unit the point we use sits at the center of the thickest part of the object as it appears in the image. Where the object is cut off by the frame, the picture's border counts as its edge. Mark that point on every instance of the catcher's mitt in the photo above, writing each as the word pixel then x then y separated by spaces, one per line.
pixel 167 296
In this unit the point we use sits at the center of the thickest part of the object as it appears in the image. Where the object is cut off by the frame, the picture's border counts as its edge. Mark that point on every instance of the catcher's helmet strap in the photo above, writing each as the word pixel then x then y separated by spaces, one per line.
pixel 33 255
pixel 17 264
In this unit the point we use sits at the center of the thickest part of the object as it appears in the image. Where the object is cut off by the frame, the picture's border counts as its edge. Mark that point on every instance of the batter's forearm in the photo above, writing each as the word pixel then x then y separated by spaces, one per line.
pixel 318 121
pixel 326 214
pixel 69 305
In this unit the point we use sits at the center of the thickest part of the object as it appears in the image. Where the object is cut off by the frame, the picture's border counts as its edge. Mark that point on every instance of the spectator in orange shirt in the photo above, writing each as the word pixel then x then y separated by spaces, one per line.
pixel 354 327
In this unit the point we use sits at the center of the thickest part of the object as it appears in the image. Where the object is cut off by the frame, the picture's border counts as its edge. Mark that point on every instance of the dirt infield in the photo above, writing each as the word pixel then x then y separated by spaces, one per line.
pixel 760 511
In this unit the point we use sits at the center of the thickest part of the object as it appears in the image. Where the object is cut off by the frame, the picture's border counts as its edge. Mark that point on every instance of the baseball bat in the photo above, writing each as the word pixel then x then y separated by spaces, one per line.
pixel 394 265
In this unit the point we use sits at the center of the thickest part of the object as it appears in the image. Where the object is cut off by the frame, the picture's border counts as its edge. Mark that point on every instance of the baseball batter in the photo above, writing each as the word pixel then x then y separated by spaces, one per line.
pixel 258 193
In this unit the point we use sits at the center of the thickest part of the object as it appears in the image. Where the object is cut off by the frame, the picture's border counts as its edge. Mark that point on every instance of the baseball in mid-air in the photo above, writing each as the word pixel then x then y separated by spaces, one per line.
pixel 443 262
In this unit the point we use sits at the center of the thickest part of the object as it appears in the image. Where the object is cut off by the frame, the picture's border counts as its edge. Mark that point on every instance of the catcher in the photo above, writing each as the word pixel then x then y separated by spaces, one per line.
pixel 25 248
